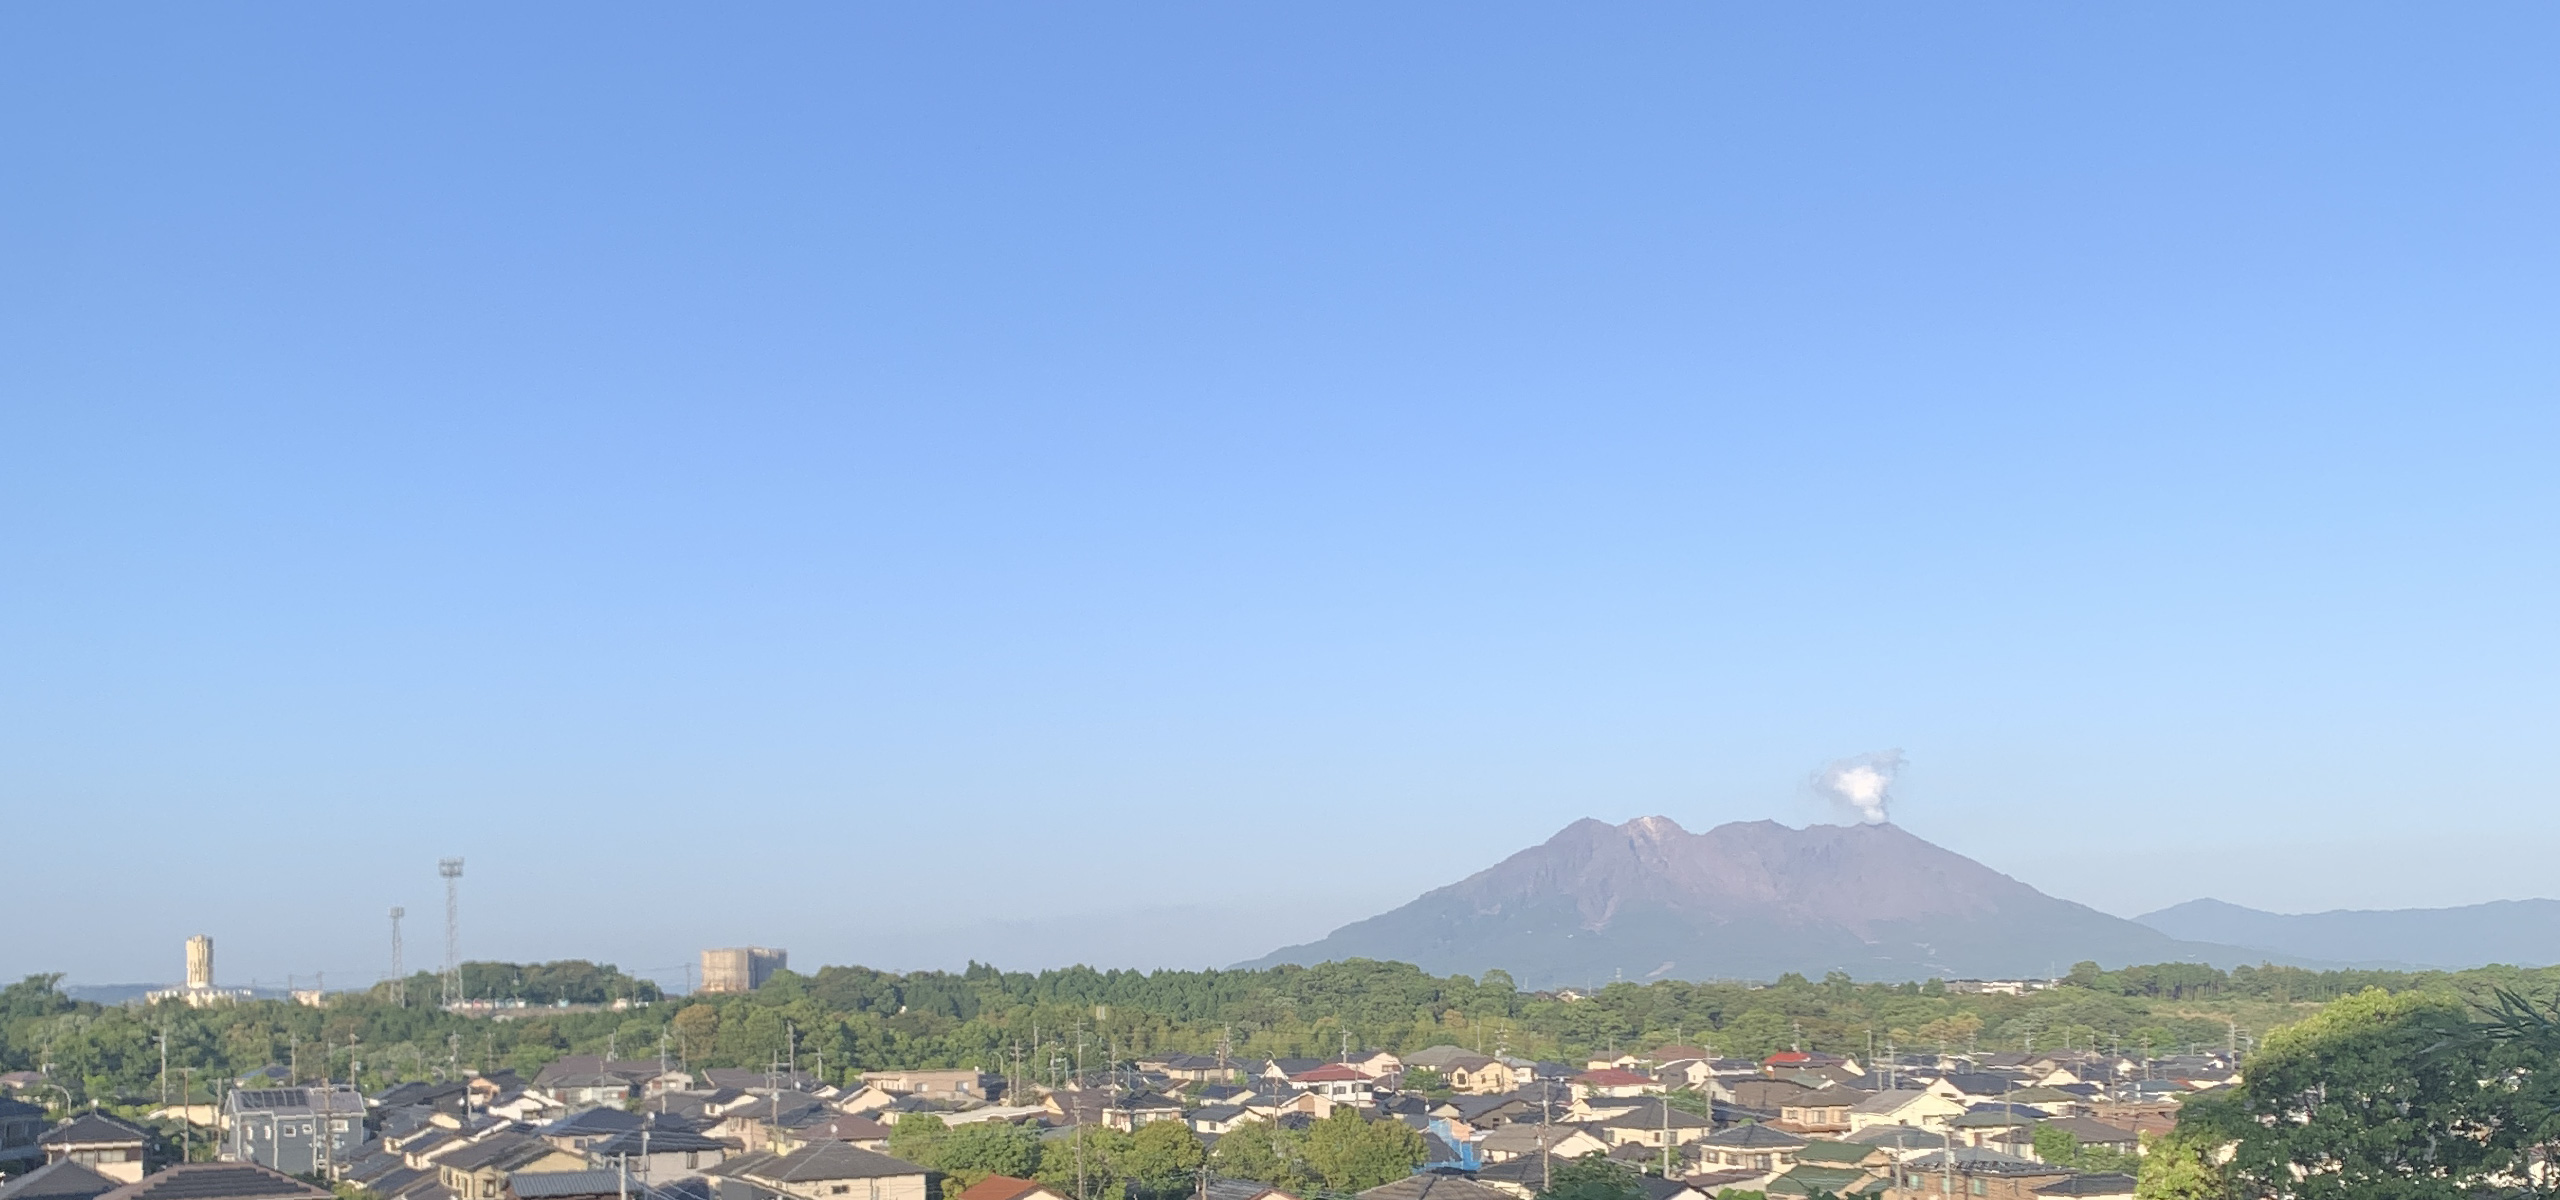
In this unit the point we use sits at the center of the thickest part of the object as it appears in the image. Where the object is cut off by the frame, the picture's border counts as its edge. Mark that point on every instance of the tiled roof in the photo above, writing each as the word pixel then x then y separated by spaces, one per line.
pixel 65 1180
pixel 219 1181
pixel 1001 1187
pixel 89 1129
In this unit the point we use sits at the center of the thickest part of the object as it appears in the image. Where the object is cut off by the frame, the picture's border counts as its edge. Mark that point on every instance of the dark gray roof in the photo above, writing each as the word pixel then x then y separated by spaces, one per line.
pixel 505 1151
pixel 89 1129
pixel 655 1140
pixel 65 1180
pixel 541 1185
pixel 1754 1137
pixel 2102 1183
pixel 592 1123
pixel 827 1160
pixel 1433 1186
pixel 1653 1114
pixel 1973 1161
pixel 219 1181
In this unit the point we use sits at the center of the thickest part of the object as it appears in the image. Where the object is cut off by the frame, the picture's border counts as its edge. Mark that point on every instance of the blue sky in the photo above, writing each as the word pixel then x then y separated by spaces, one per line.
pixel 1035 483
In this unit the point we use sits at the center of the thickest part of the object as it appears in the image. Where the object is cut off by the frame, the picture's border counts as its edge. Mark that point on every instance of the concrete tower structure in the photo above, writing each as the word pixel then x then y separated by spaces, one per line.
pixel 200 963
pixel 742 969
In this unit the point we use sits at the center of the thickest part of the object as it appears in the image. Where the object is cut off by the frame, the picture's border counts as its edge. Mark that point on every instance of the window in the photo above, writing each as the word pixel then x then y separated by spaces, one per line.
pixel 1976 1187
pixel 840 1189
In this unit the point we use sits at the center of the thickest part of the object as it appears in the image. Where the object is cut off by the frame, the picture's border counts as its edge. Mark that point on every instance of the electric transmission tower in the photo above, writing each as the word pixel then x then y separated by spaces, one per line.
pixel 399 980
pixel 451 869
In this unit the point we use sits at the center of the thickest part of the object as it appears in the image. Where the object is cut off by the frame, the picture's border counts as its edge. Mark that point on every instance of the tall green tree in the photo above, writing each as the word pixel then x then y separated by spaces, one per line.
pixel 1347 1152
pixel 2376 1097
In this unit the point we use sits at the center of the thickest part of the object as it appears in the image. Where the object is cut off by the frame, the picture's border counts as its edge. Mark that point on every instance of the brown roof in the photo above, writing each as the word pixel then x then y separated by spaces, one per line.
pixel 1004 1187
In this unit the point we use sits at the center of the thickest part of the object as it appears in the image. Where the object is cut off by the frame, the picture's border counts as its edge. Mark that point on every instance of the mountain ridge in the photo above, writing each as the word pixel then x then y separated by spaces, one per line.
pixel 1747 899
pixel 2523 933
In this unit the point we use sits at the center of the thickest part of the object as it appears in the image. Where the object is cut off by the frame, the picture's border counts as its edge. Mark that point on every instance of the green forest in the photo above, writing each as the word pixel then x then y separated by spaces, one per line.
pixel 841 1020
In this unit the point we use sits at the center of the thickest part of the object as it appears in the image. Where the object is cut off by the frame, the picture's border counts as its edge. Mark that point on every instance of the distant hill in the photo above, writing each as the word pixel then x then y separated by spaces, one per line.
pixel 1749 900
pixel 2524 933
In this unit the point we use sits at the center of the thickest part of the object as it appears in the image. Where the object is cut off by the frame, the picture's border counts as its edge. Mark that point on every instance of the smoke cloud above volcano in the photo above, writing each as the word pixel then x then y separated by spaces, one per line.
pixel 1860 787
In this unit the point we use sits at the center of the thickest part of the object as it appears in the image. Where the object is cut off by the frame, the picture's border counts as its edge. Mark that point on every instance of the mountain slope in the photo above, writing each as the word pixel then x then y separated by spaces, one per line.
pixel 2524 933
pixel 1749 900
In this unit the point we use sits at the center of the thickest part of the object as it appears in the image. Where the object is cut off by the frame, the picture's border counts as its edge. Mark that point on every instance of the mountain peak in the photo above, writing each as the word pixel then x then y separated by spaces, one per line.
pixel 1746 899
pixel 1653 829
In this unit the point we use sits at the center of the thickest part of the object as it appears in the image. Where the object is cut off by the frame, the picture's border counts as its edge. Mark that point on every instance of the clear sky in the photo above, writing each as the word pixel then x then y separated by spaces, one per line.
pixel 1151 482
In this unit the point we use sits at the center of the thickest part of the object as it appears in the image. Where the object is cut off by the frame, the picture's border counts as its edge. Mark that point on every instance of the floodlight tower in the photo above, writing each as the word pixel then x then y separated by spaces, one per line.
pixel 451 869
pixel 399 979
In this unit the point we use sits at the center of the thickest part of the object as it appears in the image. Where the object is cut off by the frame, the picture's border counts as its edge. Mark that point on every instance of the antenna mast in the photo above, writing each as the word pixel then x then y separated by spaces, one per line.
pixel 399 981
pixel 451 869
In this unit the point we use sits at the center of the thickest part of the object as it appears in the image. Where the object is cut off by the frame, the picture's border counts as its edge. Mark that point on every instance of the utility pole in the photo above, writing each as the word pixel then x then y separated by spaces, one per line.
pixel 163 1039
pixel 1546 1138
pixel 399 981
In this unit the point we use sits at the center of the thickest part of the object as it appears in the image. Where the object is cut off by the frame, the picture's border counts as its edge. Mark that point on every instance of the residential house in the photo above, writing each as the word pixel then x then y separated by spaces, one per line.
pixel 1656 1187
pixel 1189 1068
pixel 1465 1071
pixel 2101 1185
pixel 1822 1152
pixel 1313 1106
pixel 1983 1123
pixel 828 1170
pixel 662 1149
pixel 1485 1112
pixel 1972 1088
pixel 21 1124
pixel 1219 1187
pixel 1761 1148
pixel 852 1128
pixel 1338 1082
pixel 1432 1185
pixel 99 1142
pixel 59 1181
pixel 2052 1102
pixel 1904 1106
pixel 1006 1187
pixel 1612 1081
pixel 452 1096
pixel 1805 1179
pixel 1129 1110
pixel 478 1170
pixel 1655 1124
pixel 1220 1093
pixel 579 1130
pixel 1528 1140
pixel 293 1130
pixel 579 1080
pixel 595 1184
pixel 963 1083
pixel 219 1181
pixel 1823 1110
pixel 1972 1175
pixel 1800 1060
pixel 1218 1119
pixel 1772 1095
pixel 1277 1071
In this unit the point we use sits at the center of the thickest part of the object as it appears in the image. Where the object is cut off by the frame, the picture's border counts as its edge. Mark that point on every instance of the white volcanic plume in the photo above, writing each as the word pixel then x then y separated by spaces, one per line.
pixel 1861 786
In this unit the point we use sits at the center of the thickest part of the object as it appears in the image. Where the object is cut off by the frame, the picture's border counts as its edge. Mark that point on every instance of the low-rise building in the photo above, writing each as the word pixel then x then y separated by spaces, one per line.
pixel 295 1130
pixel 99 1142
pixel 219 1181
pixel 963 1083
pixel 829 1171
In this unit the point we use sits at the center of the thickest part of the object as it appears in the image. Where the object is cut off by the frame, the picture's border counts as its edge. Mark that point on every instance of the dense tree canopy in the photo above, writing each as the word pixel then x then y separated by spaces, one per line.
pixel 1033 1027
